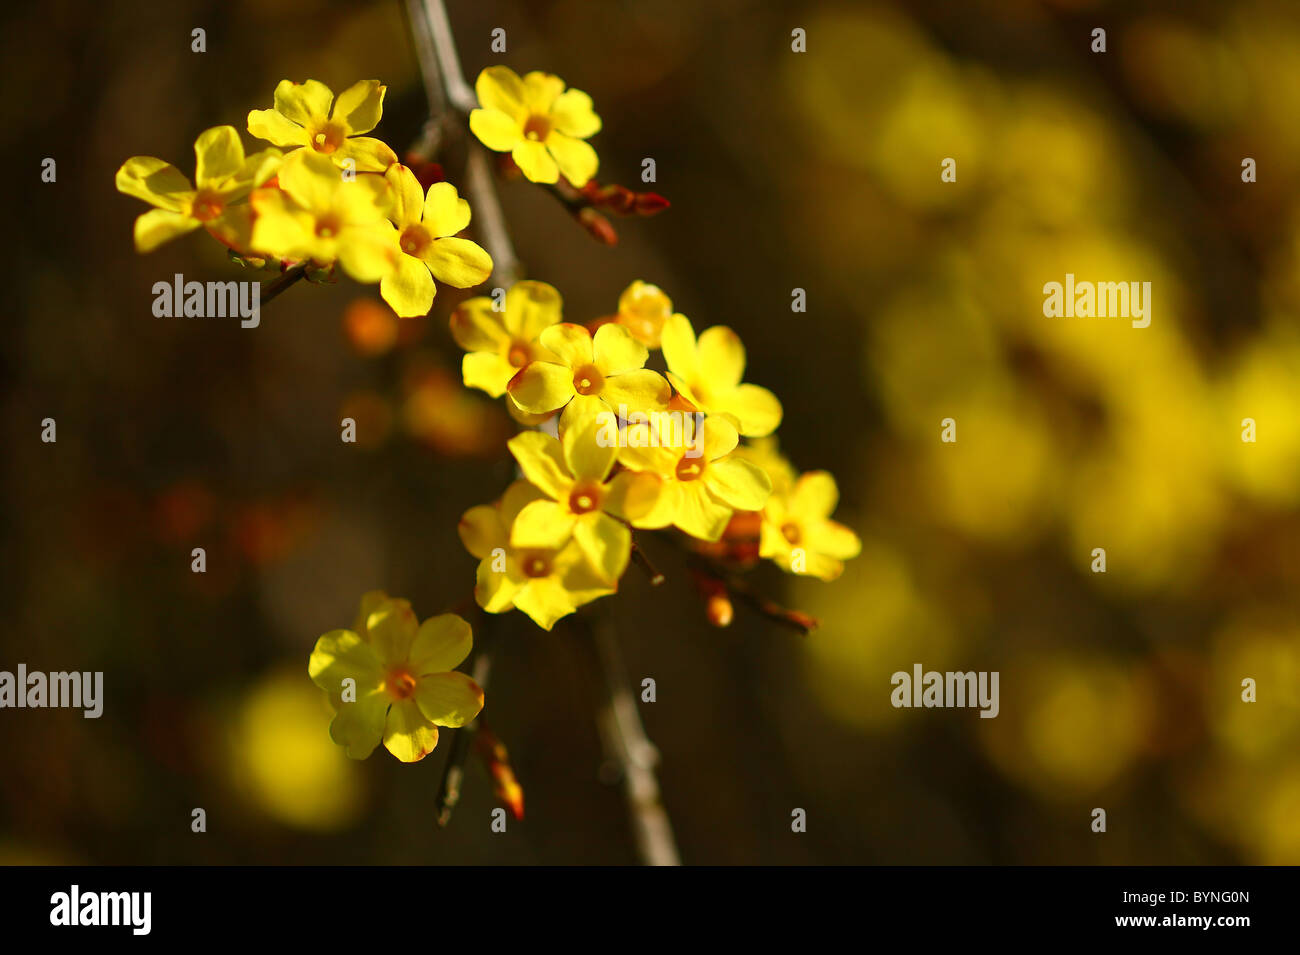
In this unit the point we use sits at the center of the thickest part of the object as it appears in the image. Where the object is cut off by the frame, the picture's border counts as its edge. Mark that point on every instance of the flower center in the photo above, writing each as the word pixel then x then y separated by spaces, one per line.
pixel 519 355
pixel 537 128
pixel 791 532
pixel 536 565
pixel 207 206
pixel 328 139
pixel 401 685
pixel 689 469
pixel 327 227
pixel 584 500
pixel 588 380
pixel 415 239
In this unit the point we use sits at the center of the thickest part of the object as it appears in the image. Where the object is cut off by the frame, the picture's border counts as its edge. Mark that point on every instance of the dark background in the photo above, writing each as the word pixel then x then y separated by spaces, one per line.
pixel 817 171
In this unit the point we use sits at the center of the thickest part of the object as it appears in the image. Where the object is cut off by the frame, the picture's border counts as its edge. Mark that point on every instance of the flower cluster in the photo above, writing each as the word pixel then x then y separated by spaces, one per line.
pixel 332 197
pixel 631 448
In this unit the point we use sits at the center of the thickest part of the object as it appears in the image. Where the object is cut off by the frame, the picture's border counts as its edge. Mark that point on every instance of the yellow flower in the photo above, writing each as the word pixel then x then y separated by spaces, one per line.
pixel 589 374
pixel 500 343
pixel 545 583
pixel 767 455
pixel 222 173
pixel 642 310
pixel 301 117
pixel 707 372
pixel 798 533
pixel 426 229
pixel 538 122
pixel 316 215
pixel 403 683
pixel 573 473
pixel 702 482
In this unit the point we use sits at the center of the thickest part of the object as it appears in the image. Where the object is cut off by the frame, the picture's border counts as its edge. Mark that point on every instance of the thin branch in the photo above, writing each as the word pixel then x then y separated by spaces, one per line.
pixel 444 82
pixel 641 560
pixel 628 747
pixel 453 774
pixel 286 279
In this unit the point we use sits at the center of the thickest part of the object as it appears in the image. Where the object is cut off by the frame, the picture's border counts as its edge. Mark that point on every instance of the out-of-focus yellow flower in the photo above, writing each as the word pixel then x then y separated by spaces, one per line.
pixel 798 533
pixel 222 173
pixel 316 216
pixel 302 117
pixel 707 372
pixel 766 453
pixel 702 482
pixel 642 310
pixel 394 679
pixel 545 583
pixel 590 374
pixel 540 123
pixel 574 474
pixel 426 230
pixel 501 343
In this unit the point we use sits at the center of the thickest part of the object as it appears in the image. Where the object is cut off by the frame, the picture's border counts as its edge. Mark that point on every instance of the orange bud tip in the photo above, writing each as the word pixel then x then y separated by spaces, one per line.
pixel 720 611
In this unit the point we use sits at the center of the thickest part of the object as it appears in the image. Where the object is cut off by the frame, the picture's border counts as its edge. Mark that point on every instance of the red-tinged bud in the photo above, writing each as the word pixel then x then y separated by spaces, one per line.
pixel 648 203
pixel 598 227
pixel 497 760
pixel 720 611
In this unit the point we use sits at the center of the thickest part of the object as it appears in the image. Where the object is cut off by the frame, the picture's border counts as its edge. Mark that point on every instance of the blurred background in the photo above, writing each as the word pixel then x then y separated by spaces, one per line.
pixel 818 171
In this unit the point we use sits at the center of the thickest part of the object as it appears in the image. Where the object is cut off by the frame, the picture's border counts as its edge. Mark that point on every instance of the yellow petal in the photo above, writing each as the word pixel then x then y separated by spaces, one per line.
pixel 360 106
pixel 476 327
pixel 572 115
pixel 718 437
pixel 481 530
pixel 307 104
pixel 700 514
pixel 832 539
pixel 449 699
pixel 815 496
pixel 678 346
pixel 276 128
pixel 218 155
pixel 570 343
pixel 541 91
pixel 494 590
pixel 342 655
pixel 458 262
pixel 497 131
pixel 721 357
pixel 589 451
pixel 545 600
pixel 157 226
pixel 757 409
pixel 392 627
pixel 445 212
pixel 606 543
pixel 542 462
pixel 358 726
pixel 542 524
pixel 487 371
pixel 156 182
pixel 441 644
pixel 407 734
pixel 632 495
pixel 310 179
pixel 535 162
pixel 369 155
pixel 616 350
pixel 640 390
pixel 518 496
pixel 500 88
pixel 739 483
pixel 406 197
pixel 532 307
pixel 542 386
pixel 370 253
pixel 576 159
pixel 409 288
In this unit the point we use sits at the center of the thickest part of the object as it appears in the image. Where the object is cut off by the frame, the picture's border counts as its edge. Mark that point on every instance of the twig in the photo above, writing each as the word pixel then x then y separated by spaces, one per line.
pixel 796 620
pixel 627 746
pixel 453 773
pixel 444 83
pixel 641 560
pixel 286 279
